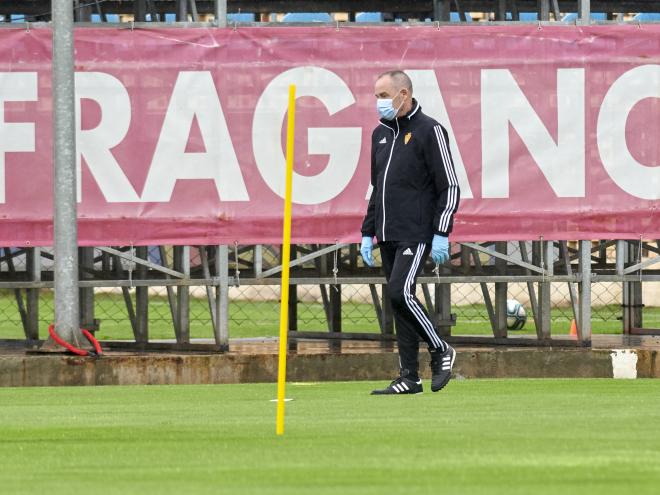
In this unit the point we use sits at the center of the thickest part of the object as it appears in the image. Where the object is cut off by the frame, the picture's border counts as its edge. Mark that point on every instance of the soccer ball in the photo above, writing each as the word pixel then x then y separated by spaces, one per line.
pixel 515 315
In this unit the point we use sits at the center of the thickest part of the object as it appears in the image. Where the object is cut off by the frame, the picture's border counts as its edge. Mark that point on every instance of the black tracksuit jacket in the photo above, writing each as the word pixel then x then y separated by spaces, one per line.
pixel 415 191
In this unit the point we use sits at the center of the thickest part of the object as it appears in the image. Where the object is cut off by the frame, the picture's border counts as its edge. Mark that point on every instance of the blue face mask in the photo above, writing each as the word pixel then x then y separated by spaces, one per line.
pixel 386 108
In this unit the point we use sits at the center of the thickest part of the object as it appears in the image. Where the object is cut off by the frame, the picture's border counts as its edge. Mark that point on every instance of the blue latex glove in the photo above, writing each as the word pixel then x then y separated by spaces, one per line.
pixel 366 248
pixel 440 249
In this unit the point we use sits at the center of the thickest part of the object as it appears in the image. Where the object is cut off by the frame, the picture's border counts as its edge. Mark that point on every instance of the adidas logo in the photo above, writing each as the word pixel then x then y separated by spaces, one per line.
pixel 382 141
pixel 408 252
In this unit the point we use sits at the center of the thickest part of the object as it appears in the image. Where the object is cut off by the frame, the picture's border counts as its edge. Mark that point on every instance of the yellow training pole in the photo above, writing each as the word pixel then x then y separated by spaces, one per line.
pixel 286 255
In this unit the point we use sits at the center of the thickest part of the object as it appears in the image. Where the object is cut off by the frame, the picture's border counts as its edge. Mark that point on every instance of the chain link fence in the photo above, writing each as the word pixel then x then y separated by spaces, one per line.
pixel 254 309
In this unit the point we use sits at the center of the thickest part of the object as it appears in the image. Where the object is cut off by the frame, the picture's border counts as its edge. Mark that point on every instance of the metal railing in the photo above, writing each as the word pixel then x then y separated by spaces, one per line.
pixel 222 291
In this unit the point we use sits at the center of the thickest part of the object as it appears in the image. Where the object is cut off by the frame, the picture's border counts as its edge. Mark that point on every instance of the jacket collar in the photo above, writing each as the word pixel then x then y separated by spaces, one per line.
pixel 396 123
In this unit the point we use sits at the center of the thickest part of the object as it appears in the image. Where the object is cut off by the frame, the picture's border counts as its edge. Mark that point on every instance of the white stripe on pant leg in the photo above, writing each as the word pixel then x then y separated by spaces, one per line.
pixel 408 298
pixel 410 301
pixel 430 330
pixel 427 325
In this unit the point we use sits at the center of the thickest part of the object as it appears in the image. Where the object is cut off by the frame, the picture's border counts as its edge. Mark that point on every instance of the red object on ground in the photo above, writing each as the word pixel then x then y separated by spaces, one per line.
pixel 81 352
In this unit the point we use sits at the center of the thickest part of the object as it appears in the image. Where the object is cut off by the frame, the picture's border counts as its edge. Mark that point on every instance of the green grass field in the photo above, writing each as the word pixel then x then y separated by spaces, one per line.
pixel 476 437
pixel 261 318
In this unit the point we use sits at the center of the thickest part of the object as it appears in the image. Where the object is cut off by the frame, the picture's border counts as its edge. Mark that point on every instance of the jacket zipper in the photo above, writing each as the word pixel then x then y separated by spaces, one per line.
pixel 387 167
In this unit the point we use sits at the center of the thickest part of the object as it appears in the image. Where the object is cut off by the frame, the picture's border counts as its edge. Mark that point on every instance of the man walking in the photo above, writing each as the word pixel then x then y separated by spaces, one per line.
pixel 411 211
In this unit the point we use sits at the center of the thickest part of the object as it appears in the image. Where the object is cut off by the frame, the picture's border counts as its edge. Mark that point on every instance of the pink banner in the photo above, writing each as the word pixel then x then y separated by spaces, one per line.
pixel 554 130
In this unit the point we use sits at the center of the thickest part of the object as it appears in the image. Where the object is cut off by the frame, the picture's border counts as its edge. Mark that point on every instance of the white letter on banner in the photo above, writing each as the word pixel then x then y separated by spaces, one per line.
pixel 15 86
pixel 427 91
pixel 194 95
pixel 342 144
pixel 633 177
pixel 95 144
pixel 562 163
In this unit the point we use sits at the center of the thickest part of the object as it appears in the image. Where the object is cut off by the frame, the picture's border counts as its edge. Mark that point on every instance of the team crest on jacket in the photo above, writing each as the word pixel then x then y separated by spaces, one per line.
pixel 407 138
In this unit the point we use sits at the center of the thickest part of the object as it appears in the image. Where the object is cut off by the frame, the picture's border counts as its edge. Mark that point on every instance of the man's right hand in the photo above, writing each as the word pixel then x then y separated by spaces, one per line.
pixel 366 249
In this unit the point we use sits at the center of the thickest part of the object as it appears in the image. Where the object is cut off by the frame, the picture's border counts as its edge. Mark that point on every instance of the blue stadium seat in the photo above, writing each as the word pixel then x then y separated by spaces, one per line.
pixel 523 16
pixel 528 16
pixel 240 17
pixel 369 17
pixel 647 17
pixel 170 18
pixel 307 17
pixel 109 17
pixel 572 17
pixel 454 17
pixel 153 254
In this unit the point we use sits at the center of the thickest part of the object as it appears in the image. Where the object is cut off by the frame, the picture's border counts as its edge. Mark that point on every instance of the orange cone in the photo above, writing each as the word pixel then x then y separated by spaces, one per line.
pixel 573 330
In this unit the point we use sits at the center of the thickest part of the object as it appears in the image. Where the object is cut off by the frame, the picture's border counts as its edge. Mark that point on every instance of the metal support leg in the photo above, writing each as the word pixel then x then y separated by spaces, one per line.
pixel 443 307
pixel 500 13
pixel 555 10
pixel 388 314
pixel 119 271
pixel 430 306
pixel 222 297
pixel 501 292
pixel 632 292
pixel 258 260
pixel 82 11
pixel 293 304
pixel 34 274
pixel 441 10
pixel 545 302
pixel 86 294
pixel 182 264
pixel 544 10
pixel 621 256
pixel 584 288
pixel 221 13
pixel 182 10
pixel 17 292
pixel 142 300
pixel 140 10
pixel 531 290
pixel 210 290
pixel 515 14
pixel 375 300
pixel 171 299
pixel 335 314
pixel 293 297
pixel 484 291
pixel 563 246
pixel 193 10
pixel 584 11
pixel 388 318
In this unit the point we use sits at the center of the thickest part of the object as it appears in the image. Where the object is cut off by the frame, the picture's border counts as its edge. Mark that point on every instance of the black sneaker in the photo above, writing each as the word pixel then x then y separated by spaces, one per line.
pixel 401 385
pixel 441 365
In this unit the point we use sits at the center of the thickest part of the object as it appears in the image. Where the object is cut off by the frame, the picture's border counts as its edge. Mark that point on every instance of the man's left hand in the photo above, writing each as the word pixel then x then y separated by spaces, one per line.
pixel 440 249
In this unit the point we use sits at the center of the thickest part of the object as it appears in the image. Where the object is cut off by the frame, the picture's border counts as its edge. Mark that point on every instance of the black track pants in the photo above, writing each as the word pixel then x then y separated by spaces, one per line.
pixel 402 262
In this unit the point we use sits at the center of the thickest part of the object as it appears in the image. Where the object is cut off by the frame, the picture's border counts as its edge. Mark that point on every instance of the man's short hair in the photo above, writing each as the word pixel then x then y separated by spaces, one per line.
pixel 400 79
